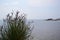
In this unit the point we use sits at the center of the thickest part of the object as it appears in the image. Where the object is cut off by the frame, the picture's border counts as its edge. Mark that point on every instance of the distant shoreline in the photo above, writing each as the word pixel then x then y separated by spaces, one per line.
pixel 50 19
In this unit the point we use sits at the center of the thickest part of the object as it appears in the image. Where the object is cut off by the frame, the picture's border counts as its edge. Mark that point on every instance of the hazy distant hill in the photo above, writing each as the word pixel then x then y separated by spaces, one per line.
pixel 51 19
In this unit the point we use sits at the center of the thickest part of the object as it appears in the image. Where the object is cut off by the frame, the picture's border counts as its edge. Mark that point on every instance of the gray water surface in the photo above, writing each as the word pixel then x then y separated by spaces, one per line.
pixel 46 30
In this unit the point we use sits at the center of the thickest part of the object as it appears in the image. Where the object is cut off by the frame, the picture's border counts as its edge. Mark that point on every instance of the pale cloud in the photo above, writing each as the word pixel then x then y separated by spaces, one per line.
pixel 12 3
pixel 38 3
pixel 34 9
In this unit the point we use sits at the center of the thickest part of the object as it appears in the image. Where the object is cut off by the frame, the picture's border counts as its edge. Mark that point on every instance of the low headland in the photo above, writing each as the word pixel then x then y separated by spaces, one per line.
pixel 51 19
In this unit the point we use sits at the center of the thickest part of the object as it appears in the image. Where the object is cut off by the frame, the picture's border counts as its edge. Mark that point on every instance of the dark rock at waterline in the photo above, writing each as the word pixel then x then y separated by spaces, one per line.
pixel 49 19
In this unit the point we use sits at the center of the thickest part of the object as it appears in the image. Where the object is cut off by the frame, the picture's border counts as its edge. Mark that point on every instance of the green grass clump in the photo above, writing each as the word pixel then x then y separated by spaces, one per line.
pixel 15 28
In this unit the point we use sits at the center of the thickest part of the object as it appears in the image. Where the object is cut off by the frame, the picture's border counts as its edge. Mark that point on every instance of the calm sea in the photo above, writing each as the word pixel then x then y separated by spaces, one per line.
pixel 46 30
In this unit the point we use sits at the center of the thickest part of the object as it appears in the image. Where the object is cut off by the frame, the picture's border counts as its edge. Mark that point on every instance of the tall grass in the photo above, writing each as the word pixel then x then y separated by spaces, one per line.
pixel 15 28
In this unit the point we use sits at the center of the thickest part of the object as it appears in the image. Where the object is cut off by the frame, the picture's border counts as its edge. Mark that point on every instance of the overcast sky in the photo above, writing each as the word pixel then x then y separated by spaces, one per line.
pixel 34 9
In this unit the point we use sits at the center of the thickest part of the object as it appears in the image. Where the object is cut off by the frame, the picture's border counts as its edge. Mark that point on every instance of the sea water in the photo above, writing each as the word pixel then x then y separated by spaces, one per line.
pixel 46 30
